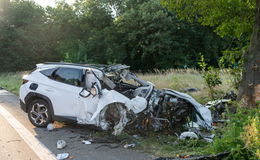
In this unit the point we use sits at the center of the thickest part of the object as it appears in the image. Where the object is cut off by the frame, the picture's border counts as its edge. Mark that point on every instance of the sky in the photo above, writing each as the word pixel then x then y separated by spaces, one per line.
pixel 45 3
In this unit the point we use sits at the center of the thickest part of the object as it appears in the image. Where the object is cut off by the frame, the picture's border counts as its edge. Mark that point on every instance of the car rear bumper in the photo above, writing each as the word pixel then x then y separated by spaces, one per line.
pixel 22 105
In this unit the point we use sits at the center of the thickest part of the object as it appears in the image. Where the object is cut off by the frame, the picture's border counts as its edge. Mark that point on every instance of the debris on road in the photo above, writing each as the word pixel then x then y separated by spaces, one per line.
pixel 190 135
pixel 71 157
pixel 62 156
pixel 50 127
pixel 132 145
pixel 61 144
pixel 86 142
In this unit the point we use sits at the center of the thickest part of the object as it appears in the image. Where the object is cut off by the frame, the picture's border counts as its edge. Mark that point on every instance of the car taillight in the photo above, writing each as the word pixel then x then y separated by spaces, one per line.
pixel 25 81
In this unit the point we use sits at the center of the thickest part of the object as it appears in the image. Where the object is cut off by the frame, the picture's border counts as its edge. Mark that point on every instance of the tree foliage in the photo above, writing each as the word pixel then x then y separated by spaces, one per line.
pixel 229 18
pixel 155 35
pixel 24 37
pixel 232 18
pixel 140 33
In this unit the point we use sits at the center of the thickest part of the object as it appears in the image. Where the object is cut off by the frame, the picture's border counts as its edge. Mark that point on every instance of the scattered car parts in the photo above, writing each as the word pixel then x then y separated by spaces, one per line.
pixel 50 127
pixel 62 156
pixel 61 144
pixel 219 107
pixel 86 142
pixel 189 135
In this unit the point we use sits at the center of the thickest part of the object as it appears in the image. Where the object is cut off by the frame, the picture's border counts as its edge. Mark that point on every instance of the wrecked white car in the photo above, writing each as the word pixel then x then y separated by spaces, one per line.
pixel 107 96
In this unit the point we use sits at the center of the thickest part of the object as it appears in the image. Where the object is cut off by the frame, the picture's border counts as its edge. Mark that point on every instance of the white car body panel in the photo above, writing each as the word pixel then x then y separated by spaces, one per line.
pixel 65 98
pixel 62 96
pixel 89 114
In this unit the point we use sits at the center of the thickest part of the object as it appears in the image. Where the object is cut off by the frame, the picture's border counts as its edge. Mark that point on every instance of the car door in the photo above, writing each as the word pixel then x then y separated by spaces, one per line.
pixel 88 104
pixel 64 94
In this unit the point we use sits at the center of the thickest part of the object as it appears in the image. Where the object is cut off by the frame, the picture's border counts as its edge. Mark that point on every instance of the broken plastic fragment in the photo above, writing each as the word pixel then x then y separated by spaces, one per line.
pixel 61 144
pixel 209 140
pixel 190 135
pixel 211 136
pixel 50 127
pixel 86 142
pixel 61 156
pixel 132 145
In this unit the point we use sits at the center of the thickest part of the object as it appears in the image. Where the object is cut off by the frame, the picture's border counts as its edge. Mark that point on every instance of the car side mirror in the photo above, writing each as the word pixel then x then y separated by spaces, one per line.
pixel 84 93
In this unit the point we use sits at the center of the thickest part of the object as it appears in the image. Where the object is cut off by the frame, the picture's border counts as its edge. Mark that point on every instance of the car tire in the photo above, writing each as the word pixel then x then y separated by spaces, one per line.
pixel 39 113
pixel 114 118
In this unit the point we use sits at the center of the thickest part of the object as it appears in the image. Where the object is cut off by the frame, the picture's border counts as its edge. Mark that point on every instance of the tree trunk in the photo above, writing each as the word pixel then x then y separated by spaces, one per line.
pixel 249 89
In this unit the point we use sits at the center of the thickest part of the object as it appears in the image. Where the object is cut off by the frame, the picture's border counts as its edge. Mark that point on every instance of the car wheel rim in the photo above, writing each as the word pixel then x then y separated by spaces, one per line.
pixel 39 113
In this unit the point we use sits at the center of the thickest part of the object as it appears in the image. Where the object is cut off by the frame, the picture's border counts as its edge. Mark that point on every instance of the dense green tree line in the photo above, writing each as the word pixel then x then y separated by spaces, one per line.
pixel 140 33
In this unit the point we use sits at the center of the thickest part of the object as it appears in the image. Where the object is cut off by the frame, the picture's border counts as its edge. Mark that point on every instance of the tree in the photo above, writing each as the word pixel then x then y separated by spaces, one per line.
pixel 139 33
pixel 249 90
pixel 233 18
pixel 154 37
pixel 25 38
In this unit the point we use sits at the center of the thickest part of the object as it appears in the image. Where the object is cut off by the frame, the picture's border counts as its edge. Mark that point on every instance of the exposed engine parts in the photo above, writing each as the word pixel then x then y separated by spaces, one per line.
pixel 143 106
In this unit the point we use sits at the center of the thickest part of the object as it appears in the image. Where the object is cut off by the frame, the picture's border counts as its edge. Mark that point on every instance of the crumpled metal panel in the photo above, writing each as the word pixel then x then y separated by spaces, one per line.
pixel 94 110
pixel 151 107
pixel 203 114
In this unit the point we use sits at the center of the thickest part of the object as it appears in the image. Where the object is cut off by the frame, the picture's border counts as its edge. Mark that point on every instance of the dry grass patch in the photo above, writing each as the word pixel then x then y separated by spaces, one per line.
pixel 178 79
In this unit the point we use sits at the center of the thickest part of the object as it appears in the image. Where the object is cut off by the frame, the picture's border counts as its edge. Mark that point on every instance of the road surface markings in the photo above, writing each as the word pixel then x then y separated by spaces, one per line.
pixel 41 151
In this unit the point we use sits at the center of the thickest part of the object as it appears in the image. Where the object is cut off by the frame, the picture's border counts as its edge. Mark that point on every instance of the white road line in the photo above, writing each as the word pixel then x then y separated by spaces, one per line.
pixel 41 151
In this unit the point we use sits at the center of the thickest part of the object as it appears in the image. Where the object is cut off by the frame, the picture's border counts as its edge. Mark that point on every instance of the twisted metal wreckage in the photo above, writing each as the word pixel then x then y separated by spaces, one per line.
pixel 116 104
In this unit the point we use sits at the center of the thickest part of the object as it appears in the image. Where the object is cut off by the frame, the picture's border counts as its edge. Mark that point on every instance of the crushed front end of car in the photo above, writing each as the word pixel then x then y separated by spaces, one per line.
pixel 127 100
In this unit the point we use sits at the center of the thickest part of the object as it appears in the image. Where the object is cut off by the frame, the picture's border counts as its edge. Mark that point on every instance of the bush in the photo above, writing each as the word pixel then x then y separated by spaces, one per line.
pixel 212 80
pixel 251 136
pixel 240 136
pixel 211 76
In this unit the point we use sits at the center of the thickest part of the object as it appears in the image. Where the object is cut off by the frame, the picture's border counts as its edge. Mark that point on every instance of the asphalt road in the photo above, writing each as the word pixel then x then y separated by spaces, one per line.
pixel 20 140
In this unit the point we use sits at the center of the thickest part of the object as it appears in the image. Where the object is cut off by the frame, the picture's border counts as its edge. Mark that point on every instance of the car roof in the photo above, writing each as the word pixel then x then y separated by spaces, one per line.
pixel 96 66
pixel 100 67
pixel 47 65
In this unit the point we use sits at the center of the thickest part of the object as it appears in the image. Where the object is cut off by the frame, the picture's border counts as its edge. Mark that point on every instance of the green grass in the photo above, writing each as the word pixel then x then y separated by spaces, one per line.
pixel 11 81
pixel 170 146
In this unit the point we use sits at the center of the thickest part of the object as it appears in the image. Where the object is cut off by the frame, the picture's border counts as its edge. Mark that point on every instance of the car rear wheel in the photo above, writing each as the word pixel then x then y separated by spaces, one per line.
pixel 39 113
